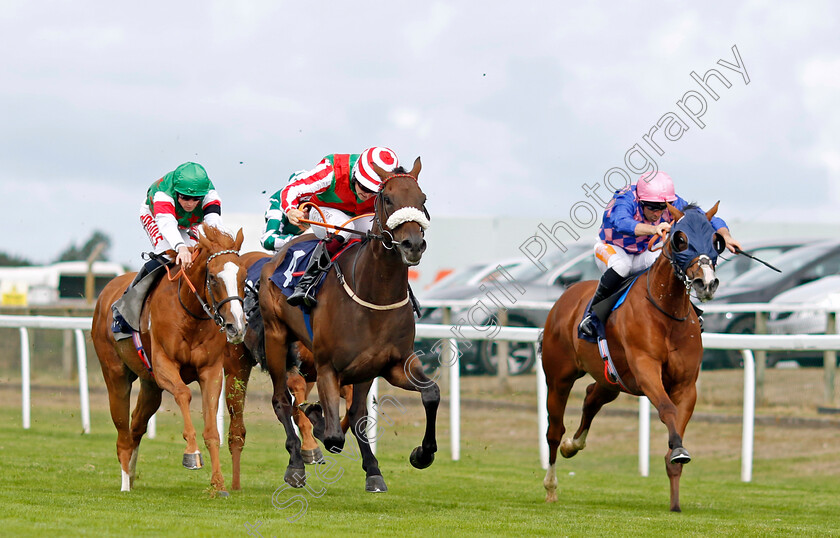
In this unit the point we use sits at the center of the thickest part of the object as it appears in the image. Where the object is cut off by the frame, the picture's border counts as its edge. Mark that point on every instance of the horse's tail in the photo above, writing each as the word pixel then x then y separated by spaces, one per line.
pixel 540 344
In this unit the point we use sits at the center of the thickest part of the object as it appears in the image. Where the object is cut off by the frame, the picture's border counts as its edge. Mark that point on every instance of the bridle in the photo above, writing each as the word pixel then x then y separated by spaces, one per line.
pixel 681 274
pixel 386 235
pixel 212 310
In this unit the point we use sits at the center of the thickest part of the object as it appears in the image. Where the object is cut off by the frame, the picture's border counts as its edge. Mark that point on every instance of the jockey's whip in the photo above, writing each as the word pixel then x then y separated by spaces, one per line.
pixel 739 251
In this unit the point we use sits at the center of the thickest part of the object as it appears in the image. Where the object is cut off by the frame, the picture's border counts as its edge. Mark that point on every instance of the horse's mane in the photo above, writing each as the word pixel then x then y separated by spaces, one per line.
pixel 218 237
pixel 691 205
pixel 399 170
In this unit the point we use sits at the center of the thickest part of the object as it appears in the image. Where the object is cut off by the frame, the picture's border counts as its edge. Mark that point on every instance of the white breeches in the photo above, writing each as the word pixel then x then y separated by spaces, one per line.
pixel 616 258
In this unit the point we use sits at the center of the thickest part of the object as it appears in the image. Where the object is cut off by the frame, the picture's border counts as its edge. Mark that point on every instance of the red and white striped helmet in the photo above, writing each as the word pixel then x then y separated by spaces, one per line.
pixel 363 171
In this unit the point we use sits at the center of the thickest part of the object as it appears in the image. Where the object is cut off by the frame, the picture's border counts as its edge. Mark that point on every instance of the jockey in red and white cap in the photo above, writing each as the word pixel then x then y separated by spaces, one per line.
pixel 343 186
pixel 634 214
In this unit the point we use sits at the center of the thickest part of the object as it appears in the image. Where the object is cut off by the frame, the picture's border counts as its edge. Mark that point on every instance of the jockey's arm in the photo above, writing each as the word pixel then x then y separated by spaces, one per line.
pixel 650 229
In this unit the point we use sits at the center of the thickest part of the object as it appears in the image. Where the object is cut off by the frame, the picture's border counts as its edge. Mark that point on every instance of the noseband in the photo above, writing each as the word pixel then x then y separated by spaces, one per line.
pixel 400 216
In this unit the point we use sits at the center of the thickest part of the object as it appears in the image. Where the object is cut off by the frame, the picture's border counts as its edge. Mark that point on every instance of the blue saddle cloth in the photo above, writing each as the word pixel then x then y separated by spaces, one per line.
pixel 288 273
pixel 600 327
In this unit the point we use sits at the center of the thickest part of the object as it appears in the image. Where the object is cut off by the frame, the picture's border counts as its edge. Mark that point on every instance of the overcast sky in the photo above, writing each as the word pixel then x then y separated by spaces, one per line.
pixel 512 106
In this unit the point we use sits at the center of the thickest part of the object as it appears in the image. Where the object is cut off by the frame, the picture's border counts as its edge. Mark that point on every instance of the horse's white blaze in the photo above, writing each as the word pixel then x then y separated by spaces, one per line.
pixel 126 481
pixel 228 276
pixel 708 274
pixel 407 214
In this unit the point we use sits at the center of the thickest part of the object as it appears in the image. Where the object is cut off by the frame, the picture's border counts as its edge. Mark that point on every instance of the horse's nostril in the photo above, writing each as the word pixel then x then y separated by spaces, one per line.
pixel 423 246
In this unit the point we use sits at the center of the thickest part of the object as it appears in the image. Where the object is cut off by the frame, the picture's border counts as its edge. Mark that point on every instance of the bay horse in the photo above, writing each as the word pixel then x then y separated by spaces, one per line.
pixel 183 345
pixel 363 327
pixel 300 382
pixel 654 341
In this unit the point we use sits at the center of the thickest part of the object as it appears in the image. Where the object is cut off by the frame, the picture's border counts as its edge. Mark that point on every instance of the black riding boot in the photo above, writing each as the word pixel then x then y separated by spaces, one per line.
pixel 608 284
pixel 147 268
pixel 303 291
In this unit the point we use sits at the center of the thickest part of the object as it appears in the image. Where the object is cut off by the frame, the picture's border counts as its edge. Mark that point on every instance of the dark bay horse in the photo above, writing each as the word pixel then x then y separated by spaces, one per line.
pixel 654 340
pixel 183 345
pixel 300 382
pixel 363 327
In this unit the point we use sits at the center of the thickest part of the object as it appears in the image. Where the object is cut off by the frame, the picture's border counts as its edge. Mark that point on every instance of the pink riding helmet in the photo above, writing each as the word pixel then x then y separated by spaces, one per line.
pixel 655 187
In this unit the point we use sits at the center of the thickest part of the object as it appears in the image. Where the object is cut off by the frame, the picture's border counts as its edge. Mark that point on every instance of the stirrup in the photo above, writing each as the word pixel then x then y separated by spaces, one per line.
pixel 586 327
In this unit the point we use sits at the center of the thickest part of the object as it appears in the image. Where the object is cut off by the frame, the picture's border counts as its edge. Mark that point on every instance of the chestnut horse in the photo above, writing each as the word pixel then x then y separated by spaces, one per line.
pixel 183 345
pixel 363 327
pixel 654 340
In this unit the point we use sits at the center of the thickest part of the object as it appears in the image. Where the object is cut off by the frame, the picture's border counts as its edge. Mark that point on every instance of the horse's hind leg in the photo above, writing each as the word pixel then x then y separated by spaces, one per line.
pixel 558 396
pixel 119 401
pixel 409 375
pixel 275 356
pixel 148 402
pixel 596 396
pixel 237 372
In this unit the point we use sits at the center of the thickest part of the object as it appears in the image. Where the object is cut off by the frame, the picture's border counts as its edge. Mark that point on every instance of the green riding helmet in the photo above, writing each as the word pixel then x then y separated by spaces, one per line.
pixel 190 179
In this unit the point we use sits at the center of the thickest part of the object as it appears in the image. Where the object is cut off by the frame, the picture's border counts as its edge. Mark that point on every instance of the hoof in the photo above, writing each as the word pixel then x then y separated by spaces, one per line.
pixel 295 477
pixel 416 461
pixel 193 461
pixel 313 456
pixel 680 455
pixel 567 448
pixel 375 484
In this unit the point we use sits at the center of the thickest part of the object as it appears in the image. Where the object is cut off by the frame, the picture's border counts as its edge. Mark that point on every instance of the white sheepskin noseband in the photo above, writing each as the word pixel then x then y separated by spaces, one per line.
pixel 407 214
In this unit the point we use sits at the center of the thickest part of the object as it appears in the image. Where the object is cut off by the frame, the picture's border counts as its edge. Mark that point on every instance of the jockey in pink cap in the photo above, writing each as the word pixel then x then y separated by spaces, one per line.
pixel 343 186
pixel 634 214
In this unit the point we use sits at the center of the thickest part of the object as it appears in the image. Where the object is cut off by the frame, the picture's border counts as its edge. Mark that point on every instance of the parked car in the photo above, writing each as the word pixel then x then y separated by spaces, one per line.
pixel 479 356
pixel 824 292
pixel 759 285
pixel 468 277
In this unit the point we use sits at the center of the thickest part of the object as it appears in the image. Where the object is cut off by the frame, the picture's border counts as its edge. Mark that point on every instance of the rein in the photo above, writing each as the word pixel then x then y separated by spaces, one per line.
pixel 211 313
pixel 678 272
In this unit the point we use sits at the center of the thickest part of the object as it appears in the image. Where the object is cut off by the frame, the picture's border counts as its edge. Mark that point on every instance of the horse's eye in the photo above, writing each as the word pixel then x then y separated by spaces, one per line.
pixel 386 199
pixel 680 242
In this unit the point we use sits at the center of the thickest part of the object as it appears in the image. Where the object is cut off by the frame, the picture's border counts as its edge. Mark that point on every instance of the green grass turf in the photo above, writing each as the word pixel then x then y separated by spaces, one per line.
pixel 55 481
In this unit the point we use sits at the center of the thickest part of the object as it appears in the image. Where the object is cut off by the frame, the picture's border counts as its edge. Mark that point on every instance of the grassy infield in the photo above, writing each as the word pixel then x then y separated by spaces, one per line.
pixel 54 481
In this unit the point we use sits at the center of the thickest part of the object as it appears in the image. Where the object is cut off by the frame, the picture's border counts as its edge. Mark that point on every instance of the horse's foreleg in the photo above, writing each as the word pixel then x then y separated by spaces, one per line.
pixel 328 390
pixel 148 402
pixel 210 381
pixel 648 373
pixel 346 392
pixel 684 398
pixel 358 418
pixel 596 397
pixel 275 356
pixel 237 372
pixel 409 375
pixel 168 377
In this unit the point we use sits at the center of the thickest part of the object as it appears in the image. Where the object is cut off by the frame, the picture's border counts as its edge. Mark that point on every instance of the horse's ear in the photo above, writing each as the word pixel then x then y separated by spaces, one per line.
pixel 238 241
pixel 711 213
pixel 415 170
pixel 676 213
pixel 383 175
